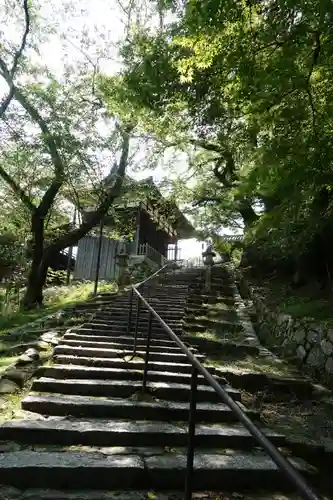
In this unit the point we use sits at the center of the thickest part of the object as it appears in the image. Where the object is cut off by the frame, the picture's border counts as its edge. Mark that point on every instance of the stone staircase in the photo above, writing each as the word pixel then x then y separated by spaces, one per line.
pixel 89 426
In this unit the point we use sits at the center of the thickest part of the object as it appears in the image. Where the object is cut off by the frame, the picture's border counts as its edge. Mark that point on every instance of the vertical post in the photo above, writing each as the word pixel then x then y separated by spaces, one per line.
pixel 138 307
pixel 145 371
pixel 69 263
pixel 130 311
pixel 137 231
pixel 191 435
pixel 70 254
pixel 208 280
pixel 99 251
pixel 176 250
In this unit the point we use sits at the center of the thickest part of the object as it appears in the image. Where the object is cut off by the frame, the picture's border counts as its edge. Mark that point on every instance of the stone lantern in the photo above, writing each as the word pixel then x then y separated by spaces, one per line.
pixel 122 261
pixel 208 260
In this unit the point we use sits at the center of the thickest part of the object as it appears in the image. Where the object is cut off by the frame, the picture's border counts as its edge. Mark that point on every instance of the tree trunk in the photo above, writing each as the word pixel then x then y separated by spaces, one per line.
pixel 248 214
pixel 34 292
pixel 33 296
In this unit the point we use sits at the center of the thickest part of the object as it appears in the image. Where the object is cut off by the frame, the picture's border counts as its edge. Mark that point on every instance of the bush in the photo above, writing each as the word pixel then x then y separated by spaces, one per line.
pixel 56 278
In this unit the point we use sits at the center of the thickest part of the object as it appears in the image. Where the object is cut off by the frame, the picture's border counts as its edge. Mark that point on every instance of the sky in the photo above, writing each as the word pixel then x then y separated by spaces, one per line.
pixel 85 24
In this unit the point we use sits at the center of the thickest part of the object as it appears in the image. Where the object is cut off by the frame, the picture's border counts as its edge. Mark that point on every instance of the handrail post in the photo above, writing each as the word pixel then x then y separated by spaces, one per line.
pixel 130 311
pixel 145 371
pixel 191 435
pixel 138 308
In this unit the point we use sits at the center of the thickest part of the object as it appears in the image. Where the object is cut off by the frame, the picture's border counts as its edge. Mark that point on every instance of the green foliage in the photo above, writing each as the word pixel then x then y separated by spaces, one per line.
pixel 245 90
pixel 56 297
pixel 56 278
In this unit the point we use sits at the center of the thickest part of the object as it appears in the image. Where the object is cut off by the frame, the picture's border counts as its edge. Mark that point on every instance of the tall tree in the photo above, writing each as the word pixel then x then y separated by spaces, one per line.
pixel 51 148
pixel 249 82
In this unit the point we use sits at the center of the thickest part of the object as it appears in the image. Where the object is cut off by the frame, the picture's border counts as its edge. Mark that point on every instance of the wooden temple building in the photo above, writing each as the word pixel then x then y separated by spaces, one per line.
pixel 143 223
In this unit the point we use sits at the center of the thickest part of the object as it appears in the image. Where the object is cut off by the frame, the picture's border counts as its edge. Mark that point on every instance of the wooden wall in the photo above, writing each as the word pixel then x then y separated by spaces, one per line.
pixel 86 259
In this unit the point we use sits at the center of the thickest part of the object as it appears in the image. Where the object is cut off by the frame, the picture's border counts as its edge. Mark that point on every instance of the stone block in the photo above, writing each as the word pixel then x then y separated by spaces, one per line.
pixel 327 347
pixel 284 320
pixel 29 356
pixel 330 335
pixel 329 365
pixel 8 386
pixel 299 336
pixel 316 357
pixel 301 352
pixel 314 336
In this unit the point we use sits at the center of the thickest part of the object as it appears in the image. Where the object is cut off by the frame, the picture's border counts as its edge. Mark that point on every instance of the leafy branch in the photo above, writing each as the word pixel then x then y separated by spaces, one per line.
pixel 6 101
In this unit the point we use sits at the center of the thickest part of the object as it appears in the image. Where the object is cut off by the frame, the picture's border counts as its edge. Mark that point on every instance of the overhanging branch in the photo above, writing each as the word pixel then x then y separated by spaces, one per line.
pixel 48 138
pixel 74 236
pixel 6 101
pixel 17 190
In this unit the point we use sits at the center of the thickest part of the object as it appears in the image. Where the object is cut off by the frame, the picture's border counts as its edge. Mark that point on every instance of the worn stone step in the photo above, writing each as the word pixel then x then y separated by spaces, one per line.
pixel 222 324
pixel 87 372
pixel 92 335
pixel 82 406
pixel 120 321
pixel 159 305
pixel 102 432
pixel 110 327
pixel 122 318
pixel 166 471
pixel 121 363
pixel 143 316
pixel 253 381
pixel 170 297
pixel 123 312
pixel 141 345
pixel 126 388
pixel 115 353
pixel 118 310
pixel 163 337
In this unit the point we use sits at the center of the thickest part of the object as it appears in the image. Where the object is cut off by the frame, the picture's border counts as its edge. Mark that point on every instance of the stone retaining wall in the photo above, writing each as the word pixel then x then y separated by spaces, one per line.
pixel 309 344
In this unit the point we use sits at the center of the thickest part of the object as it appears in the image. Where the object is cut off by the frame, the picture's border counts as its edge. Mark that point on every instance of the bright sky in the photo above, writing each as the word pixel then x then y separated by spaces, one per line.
pixel 96 26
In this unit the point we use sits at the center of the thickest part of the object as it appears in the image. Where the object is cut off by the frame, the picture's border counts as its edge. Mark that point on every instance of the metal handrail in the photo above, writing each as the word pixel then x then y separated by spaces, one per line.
pixel 138 285
pixel 133 287
pixel 283 464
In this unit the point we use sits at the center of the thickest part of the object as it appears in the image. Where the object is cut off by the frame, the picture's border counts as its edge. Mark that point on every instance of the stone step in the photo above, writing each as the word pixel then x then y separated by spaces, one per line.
pixel 166 302
pixel 159 306
pixel 253 381
pixel 120 321
pixel 152 294
pixel 118 311
pixel 166 471
pixel 127 388
pixel 82 406
pixel 222 324
pixel 121 308
pixel 102 432
pixel 162 337
pixel 86 372
pixel 102 329
pixel 122 317
pixel 110 326
pixel 141 346
pixel 123 313
pixel 116 353
pixel 130 365
pixel 124 339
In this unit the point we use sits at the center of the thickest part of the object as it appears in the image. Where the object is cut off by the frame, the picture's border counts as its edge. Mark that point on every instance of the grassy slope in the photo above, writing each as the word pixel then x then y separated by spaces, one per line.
pixel 55 298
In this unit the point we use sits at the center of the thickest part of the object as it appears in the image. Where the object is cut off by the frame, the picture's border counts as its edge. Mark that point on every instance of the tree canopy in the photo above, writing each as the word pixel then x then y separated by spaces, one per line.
pixel 245 89
pixel 236 95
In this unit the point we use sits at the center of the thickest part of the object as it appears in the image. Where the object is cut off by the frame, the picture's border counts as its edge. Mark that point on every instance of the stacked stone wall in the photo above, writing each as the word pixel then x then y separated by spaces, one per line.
pixel 310 344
